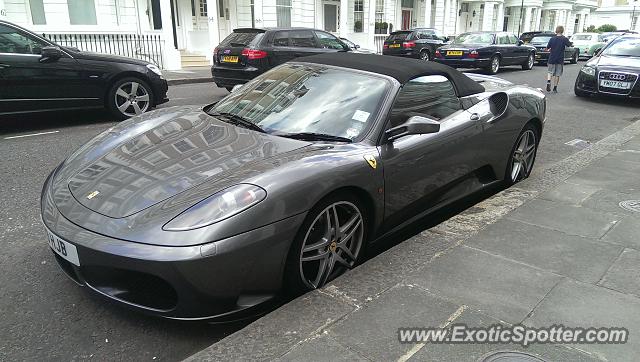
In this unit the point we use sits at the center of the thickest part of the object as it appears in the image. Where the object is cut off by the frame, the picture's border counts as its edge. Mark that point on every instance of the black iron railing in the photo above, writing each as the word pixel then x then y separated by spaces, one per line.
pixel 148 47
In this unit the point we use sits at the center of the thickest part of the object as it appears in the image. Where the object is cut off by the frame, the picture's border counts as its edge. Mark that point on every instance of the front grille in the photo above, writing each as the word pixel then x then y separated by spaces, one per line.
pixel 619 77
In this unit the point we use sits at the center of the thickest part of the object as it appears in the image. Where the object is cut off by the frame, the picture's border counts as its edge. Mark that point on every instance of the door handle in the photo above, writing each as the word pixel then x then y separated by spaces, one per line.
pixel 2 66
pixel 475 117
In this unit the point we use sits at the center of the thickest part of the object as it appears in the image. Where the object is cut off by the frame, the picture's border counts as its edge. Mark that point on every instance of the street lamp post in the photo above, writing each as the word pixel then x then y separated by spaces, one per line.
pixel 633 16
pixel 521 12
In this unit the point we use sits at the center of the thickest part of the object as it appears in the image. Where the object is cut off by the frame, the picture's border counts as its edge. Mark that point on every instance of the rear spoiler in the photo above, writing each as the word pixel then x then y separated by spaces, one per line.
pixel 249 30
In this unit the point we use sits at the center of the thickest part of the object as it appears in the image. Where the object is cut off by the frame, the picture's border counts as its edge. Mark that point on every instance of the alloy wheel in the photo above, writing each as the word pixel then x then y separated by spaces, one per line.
pixel 332 244
pixel 495 65
pixel 523 156
pixel 132 98
pixel 530 62
pixel 425 56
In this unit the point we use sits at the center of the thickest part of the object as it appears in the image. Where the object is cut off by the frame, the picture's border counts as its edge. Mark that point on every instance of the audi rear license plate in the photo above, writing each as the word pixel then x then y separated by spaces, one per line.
pixel 229 58
pixel 454 52
pixel 615 84
pixel 65 249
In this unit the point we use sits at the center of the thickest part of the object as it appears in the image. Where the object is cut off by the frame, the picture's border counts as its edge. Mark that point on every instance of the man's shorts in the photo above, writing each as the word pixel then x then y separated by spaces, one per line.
pixel 555 69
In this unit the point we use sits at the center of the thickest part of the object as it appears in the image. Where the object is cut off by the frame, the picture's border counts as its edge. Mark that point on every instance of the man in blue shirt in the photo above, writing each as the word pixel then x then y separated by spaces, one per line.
pixel 556 47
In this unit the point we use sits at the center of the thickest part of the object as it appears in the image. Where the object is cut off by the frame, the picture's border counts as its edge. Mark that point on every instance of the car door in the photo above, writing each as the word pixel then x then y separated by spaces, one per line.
pixel 329 43
pixel 420 169
pixel 31 82
pixel 291 44
pixel 521 52
pixel 506 49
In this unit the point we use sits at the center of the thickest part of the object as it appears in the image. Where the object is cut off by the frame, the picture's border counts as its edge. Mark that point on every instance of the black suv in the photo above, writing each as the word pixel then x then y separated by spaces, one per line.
pixel 418 43
pixel 249 52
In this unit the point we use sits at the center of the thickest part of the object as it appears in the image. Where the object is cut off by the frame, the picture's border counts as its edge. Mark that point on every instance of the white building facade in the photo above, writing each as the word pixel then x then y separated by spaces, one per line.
pixel 624 14
pixel 186 31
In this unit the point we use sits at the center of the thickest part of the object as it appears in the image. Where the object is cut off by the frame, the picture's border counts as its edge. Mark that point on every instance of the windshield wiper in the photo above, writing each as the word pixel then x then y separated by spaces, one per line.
pixel 311 136
pixel 237 120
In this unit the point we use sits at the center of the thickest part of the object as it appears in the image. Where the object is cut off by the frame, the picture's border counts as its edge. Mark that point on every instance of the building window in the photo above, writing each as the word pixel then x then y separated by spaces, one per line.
pixel 494 20
pixel 283 12
pixel 156 15
pixel 406 3
pixel 203 8
pixel 82 12
pixel 380 26
pixel 358 16
pixel 37 12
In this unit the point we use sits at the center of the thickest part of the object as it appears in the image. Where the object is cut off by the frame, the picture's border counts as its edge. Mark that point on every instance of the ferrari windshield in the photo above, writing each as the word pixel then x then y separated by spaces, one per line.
pixel 307 98
pixel 474 38
pixel 624 47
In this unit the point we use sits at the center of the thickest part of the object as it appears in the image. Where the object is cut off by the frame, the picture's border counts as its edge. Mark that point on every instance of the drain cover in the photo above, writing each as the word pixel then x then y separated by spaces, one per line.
pixel 630 205
pixel 510 356
pixel 582 144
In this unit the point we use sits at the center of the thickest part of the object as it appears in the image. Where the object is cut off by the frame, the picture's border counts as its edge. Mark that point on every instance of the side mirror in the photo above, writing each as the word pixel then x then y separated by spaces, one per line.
pixel 520 42
pixel 50 54
pixel 414 125
pixel 357 46
pixel 236 87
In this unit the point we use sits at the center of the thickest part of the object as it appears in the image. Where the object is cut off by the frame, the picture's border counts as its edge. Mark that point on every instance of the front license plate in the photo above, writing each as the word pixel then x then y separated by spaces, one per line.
pixel 538 56
pixel 454 52
pixel 229 59
pixel 66 250
pixel 615 84
pixel 394 46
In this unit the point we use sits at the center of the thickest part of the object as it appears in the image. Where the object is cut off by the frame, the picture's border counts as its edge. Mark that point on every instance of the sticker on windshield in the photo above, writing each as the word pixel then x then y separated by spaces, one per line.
pixel 361 116
pixel 352 132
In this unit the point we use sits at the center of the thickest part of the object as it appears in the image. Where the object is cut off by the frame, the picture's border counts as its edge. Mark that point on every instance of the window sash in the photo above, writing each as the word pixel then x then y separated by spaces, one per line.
pixel 82 12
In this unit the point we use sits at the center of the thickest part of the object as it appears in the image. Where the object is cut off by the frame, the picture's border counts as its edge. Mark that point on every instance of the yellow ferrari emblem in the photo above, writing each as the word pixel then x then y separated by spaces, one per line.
pixel 371 160
pixel 93 194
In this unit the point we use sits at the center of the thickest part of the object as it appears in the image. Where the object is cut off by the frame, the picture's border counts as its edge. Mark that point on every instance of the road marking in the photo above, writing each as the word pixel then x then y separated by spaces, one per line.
pixel 31 135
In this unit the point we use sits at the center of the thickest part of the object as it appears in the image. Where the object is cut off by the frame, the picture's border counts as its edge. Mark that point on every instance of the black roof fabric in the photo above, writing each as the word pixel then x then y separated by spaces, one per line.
pixel 402 69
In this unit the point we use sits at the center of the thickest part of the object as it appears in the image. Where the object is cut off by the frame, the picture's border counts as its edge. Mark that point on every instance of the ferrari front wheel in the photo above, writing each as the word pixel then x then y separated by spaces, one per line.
pixel 329 242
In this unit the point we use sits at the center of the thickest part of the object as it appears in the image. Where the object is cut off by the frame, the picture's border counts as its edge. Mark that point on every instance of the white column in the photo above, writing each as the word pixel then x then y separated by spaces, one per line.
pixel 538 24
pixel 427 14
pixel 372 20
pixel 487 19
pixel 500 24
pixel 446 18
pixel 569 23
pixel 171 56
pixel 439 19
pixel 527 20
pixel 344 18
pixel 213 27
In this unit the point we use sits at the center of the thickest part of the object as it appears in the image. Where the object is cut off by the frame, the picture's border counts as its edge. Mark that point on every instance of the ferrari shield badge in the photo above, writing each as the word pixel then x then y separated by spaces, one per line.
pixel 371 160
pixel 93 194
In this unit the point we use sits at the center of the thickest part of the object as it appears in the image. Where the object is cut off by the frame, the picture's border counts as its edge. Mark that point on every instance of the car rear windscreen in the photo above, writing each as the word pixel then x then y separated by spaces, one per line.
pixel 241 38
pixel 399 36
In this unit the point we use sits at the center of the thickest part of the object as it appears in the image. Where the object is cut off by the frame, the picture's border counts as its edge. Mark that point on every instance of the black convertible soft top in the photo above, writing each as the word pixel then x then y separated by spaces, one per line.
pixel 402 69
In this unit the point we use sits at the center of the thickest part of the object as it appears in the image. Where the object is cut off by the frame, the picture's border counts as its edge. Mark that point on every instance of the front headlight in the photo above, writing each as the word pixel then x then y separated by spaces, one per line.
pixel 590 71
pixel 217 207
pixel 154 69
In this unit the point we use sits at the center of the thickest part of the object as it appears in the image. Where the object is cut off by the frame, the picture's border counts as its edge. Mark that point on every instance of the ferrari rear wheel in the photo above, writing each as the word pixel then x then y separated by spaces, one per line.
pixel 329 242
pixel 523 155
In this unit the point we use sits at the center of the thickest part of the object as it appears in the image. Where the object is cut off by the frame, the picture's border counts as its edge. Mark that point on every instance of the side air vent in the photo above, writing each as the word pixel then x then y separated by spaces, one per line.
pixel 498 104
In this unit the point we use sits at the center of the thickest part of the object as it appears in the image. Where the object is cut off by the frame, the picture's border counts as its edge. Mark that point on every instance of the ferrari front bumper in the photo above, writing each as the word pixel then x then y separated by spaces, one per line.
pixel 223 280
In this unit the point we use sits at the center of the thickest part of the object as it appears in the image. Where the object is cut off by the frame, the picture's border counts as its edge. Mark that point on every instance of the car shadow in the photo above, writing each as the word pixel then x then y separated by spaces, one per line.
pixel 39 122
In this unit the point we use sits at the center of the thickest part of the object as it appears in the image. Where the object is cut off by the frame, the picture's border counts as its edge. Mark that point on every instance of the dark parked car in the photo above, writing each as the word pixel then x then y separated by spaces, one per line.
pixel 37 75
pixel 249 52
pixel 198 212
pixel 540 41
pixel 488 50
pixel 614 71
pixel 528 35
pixel 418 43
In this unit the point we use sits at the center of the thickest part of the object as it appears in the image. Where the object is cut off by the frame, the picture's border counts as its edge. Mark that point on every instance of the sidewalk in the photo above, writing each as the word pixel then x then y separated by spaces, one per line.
pixel 555 249
pixel 188 75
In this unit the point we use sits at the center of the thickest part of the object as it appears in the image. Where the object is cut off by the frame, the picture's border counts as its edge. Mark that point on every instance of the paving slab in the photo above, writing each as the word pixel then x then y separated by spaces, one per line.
pixel 320 349
pixel 499 287
pixel 626 232
pixel 572 220
pixel 607 178
pixel 609 201
pixel 278 332
pixel 569 194
pixel 577 257
pixel 373 330
pixel 476 352
pixel 633 144
pixel 624 274
pixel 576 304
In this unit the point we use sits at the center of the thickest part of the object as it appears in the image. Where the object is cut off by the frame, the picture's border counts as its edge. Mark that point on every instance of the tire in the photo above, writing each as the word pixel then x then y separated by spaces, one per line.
pixel 302 276
pixel 425 55
pixel 513 176
pixel 121 93
pixel 494 65
pixel 574 58
pixel 579 92
pixel 528 65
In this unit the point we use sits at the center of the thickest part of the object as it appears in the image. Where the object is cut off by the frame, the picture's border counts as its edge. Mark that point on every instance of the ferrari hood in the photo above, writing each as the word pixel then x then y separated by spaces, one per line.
pixel 184 149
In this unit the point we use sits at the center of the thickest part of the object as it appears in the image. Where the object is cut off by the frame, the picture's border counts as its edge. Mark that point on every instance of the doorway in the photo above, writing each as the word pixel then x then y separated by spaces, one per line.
pixel 330 14
pixel 406 19
pixel 223 17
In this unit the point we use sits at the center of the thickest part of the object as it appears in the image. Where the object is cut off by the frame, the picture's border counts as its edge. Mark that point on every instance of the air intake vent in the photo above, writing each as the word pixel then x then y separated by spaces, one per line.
pixel 498 103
